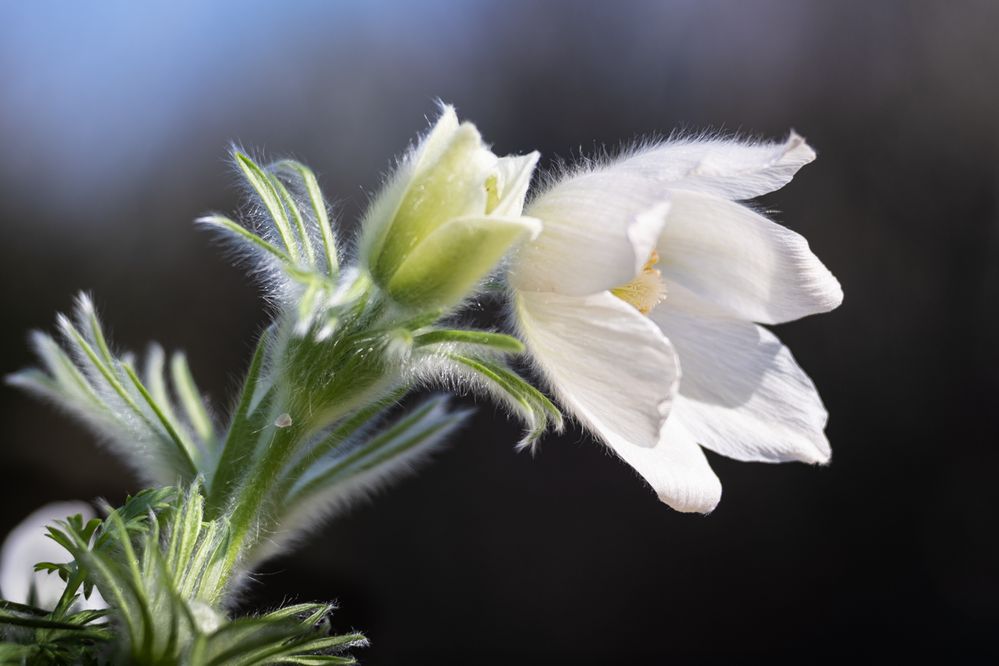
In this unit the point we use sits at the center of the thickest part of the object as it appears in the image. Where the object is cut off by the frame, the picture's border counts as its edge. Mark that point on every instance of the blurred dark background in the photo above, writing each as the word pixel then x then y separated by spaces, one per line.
pixel 114 125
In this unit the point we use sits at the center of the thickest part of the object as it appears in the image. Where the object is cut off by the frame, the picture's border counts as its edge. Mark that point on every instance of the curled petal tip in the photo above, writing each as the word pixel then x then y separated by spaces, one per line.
pixel 797 146
pixel 821 455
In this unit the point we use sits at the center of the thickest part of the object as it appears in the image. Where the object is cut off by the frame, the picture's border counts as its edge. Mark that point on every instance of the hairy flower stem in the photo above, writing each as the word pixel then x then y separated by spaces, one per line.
pixel 272 425
pixel 251 498
pixel 238 447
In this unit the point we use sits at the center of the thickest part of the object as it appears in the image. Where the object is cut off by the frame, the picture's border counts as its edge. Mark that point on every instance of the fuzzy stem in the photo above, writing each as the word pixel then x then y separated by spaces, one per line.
pixel 258 461
pixel 240 439
pixel 250 499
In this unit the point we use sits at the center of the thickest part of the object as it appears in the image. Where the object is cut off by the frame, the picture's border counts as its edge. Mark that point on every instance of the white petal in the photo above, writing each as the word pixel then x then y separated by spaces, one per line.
pixel 742 263
pixel 26 545
pixel 437 140
pixel 742 394
pixel 609 365
pixel 515 173
pixel 443 136
pixel 730 169
pixel 600 228
pixel 676 469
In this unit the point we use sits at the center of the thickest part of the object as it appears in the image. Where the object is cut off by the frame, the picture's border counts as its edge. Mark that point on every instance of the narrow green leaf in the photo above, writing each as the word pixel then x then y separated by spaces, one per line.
pixel 298 646
pixel 38 622
pixel 265 190
pixel 541 410
pixel 296 217
pixel 499 342
pixel 87 310
pixel 24 609
pixel 306 304
pixel 136 584
pixel 156 381
pixel 318 211
pixel 63 370
pixel 488 372
pixel 339 434
pixel 187 523
pixel 184 447
pixel 245 235
pixel 106 371
pixel 410 431
pixel 295 610
pixel 89 615
pixel 513 379
pixel 243 640
pixel 110 589
pixel 190 397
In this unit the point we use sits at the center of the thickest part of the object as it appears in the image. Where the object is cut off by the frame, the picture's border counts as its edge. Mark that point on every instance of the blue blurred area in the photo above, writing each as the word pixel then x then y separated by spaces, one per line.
pixel 100 96
pixel 115 119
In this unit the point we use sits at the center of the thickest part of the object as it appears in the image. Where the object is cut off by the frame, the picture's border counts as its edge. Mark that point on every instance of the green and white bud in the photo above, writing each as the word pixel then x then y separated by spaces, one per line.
pixel 447 216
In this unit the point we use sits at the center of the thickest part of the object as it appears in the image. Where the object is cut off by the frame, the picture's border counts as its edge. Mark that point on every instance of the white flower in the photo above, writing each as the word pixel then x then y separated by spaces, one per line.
pixel 26 546
pixel 641 300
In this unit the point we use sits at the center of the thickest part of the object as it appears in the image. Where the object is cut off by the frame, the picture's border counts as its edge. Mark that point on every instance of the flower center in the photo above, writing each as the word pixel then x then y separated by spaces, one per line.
pixel 647 290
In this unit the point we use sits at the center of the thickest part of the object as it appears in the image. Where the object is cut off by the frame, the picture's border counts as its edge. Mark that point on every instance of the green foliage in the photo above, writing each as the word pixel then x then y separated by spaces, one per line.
pixel 133 516
pixel 495 342
pixel 136 416
pixel 34 636
pixel 537 411
pixel 337 347
pixel 340 458
pixel 162 568
pixel 295 239
pixel 295 634
pixel 316 425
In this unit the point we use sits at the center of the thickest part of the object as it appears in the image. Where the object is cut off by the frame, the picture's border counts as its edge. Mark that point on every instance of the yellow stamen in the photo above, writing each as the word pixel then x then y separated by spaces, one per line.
pixel 492 193
pixel 647 290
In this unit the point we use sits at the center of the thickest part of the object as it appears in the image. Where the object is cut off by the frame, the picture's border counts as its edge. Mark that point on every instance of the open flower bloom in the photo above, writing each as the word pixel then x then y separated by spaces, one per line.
pixel 640 303
pixel 27 545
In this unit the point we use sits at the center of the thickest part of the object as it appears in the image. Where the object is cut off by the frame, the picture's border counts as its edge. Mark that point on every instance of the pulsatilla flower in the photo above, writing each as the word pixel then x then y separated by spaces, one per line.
pixel 447 215
pixel 639 286
pixel 641 303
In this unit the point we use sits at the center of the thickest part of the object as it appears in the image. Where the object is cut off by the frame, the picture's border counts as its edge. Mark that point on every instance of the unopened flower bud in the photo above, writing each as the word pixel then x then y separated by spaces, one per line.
pixel 446 218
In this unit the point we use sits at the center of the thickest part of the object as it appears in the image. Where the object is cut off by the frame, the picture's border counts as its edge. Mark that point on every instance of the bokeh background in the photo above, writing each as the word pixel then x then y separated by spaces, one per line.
pixel 114 123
